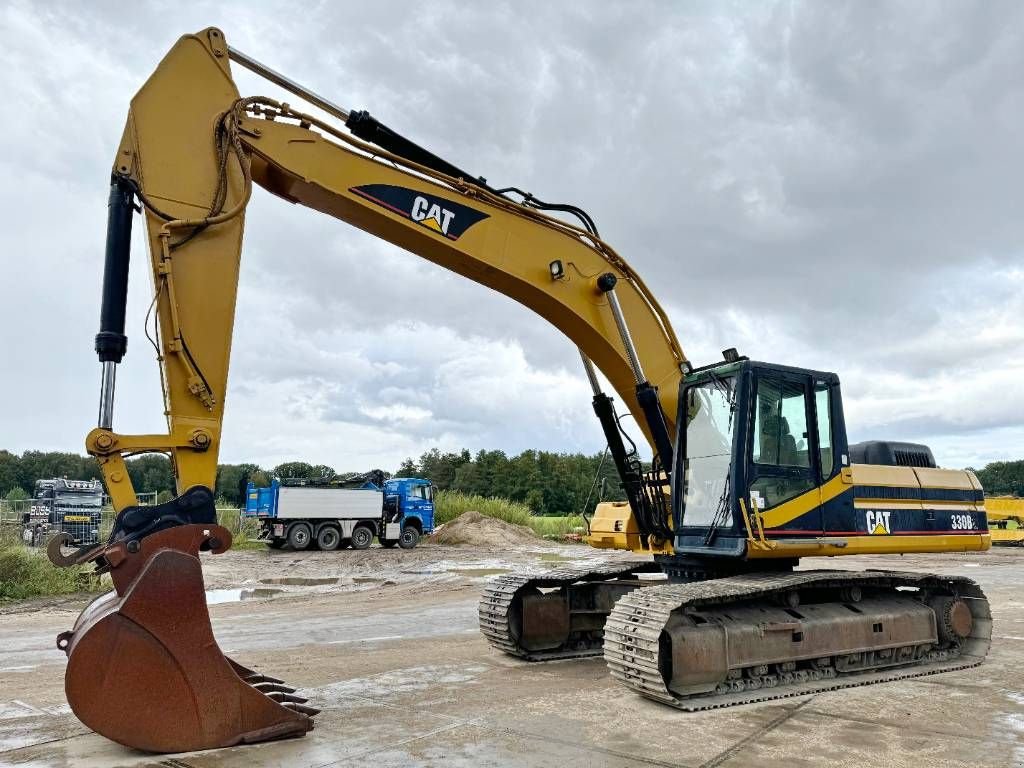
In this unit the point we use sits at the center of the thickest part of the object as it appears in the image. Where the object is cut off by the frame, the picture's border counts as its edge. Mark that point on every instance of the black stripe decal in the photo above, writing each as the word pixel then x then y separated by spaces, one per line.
pixel 916 494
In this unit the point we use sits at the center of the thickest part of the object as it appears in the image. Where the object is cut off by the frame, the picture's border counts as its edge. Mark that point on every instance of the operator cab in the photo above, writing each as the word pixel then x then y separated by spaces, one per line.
pixel 762 433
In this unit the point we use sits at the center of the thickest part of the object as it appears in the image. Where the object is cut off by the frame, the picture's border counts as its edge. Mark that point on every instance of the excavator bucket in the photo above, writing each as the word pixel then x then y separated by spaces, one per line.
pixel 144 668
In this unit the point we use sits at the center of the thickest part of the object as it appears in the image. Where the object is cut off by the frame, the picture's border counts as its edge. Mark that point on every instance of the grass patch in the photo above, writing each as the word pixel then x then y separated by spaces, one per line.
pixel 450 504
pixel 26 572
pixel 244 530
pixel 557 527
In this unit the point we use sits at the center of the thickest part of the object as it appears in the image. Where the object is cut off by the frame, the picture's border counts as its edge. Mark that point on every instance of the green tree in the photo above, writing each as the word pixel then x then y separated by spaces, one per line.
pixel 442 468
pixel 232 480
pixel 294 469
pixel 323 472
pixel 9 477
pixel 17 494
pixel 1002 478
pixel 407 468
pixel 151 473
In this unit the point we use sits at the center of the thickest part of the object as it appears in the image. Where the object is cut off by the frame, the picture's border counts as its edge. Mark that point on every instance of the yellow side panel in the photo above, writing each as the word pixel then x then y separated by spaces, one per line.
pixel 875 474
pixel 614 527
pixel 947 478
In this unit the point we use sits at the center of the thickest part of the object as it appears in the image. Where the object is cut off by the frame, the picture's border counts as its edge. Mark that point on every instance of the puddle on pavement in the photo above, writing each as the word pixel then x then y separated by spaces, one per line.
pixel 299 581
pixel 218 596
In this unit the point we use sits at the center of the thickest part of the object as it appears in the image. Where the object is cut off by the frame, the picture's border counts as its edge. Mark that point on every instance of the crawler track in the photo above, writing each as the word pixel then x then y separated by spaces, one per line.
pixel 498 600
pixel 634 628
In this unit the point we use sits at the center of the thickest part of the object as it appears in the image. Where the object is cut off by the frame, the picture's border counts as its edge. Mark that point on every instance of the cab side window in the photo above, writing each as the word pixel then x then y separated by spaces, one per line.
pixel 822 405
pixel 780 424
pixel 781 448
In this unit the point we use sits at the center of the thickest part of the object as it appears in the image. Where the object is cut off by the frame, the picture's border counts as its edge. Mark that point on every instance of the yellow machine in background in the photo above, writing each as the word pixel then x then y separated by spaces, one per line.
pixel 1005 519
pixel 751 467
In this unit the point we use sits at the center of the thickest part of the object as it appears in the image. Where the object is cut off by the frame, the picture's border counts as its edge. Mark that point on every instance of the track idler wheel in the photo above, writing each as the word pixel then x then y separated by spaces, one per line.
pixel 144 669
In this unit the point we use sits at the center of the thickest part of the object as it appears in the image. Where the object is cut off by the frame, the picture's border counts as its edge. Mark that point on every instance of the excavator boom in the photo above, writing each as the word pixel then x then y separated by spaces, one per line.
pixel 191 152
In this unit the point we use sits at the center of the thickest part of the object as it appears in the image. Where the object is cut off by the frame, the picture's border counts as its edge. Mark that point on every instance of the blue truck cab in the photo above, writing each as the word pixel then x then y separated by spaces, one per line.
pixel 413 498
pixel 333 515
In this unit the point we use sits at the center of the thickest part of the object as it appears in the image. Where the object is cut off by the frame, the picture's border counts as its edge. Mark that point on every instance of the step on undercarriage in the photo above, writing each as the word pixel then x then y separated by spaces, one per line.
pixel 759 637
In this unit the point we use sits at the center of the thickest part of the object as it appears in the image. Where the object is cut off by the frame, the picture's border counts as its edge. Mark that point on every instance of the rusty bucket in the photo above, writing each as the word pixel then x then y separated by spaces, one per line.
pixel 144 669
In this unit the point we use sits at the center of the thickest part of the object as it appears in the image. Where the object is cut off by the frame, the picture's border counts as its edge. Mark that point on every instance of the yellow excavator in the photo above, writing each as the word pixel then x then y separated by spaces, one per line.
pixel 1006 520
pixel 751 467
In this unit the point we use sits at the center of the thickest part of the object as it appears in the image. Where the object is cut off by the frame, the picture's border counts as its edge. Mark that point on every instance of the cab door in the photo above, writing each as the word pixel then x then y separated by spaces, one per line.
pixel 420 503
pixel 783 465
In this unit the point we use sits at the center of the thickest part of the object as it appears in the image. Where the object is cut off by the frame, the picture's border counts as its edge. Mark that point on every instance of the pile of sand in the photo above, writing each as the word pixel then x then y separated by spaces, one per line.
pixel 480 530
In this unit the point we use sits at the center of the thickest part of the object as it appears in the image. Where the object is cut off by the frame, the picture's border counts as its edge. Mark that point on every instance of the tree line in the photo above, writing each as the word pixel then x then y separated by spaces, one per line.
pixel 548 483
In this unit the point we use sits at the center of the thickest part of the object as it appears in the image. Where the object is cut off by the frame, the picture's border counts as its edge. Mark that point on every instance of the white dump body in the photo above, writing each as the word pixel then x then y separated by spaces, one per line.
pixel 329 504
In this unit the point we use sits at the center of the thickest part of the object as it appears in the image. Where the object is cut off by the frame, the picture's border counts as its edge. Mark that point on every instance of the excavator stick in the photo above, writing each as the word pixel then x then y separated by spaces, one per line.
pixel 144 668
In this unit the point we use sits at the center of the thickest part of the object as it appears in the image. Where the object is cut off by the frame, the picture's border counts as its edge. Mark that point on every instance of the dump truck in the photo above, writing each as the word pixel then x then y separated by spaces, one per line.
pixel 303 514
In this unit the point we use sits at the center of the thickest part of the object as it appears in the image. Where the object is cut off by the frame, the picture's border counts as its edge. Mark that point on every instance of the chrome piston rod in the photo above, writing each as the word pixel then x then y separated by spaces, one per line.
pixel 588 366
pixel 106 416
pixel 287 83
pixel 607 285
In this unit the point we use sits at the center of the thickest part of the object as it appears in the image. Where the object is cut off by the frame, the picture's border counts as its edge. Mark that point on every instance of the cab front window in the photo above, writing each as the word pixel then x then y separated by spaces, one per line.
pixel 710 422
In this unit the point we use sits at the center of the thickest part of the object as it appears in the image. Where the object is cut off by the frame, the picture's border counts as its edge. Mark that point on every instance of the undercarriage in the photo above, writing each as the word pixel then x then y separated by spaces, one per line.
pixel 743 638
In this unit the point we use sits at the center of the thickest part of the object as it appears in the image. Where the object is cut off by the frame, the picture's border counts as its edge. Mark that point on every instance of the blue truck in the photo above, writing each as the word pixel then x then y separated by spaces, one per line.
pixel 303 514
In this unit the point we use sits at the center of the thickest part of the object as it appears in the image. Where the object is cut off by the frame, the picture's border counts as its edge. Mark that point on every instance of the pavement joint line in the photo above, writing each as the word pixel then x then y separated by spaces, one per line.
pixel 44 743
pixel 904 727
pixel 383 748
pixel 583 747
pixel 765 729
pixel 387 705
pixel 365 640
pixel 946 684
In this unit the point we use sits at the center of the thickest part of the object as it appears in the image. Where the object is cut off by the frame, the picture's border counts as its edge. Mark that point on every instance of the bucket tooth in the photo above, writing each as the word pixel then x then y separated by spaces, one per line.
pixel 269 688
pixel 255 678
pixel 303 709
pixel 144 668
pixel 288 697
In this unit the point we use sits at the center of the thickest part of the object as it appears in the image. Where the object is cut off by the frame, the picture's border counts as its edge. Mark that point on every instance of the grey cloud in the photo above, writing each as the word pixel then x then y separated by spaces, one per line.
pixel 832 185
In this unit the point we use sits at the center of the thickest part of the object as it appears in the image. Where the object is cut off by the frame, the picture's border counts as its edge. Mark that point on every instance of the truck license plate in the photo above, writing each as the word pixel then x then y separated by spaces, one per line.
pixel 279 530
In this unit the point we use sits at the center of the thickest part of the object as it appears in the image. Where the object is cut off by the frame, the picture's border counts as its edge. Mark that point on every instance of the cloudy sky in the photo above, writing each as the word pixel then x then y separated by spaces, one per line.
pixel 824 184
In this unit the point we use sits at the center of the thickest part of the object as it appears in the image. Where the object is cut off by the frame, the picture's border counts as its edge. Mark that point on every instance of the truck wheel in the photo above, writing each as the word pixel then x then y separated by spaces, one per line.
pixel 388 543
pixel 276 543
pixel 300 536
pixel 362 537
pixel 328 538
pixel 410 537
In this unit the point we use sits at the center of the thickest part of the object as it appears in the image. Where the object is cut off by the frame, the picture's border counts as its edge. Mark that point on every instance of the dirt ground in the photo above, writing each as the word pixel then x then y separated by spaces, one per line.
pixel 385 643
